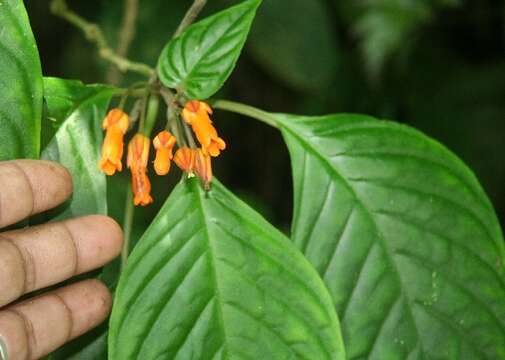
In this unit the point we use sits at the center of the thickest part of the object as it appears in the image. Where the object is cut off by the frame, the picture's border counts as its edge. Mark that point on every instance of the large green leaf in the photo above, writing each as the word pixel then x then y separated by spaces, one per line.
pixel 200 60
pixel 79 109
pixel 211 279
pixel 74 113
pixel 20 84
pixel 403 235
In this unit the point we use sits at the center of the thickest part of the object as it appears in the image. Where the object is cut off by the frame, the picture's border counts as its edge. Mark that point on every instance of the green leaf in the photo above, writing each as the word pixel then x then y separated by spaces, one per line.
pixel 211 279
pixel 91 346
pixel 80 110
pixel 20 84
pixel 75 112
pixel 403 235
pixel 281 40
pixel 200 60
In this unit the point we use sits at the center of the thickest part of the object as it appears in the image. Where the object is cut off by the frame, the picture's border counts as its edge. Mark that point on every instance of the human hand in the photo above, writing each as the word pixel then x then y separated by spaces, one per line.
pixel 39 256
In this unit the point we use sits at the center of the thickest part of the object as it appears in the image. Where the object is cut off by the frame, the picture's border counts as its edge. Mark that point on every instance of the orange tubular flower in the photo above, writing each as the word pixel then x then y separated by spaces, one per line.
pixel 141 187
pixel 138 155
pixel 116 124
pixel 163 143
pixel 185 159
pixel 203 167
pixel 196 113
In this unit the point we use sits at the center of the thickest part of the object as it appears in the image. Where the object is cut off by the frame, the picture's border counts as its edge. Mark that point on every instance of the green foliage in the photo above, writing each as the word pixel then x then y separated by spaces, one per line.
pixel 391 218
pixel 91 346
pixel 384 27
pixel 200 60
pixel 211 279
pixel 400 230
pixel 75 112
pixel 300 50
pixel 20 84
pixel 78 110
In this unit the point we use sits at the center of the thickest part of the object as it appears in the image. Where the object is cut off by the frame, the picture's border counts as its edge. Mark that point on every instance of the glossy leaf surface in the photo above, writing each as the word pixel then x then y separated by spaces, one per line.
pixel 200 60
pixel 20 84
pixel 78 109
pixel 211 279
pixel 403 235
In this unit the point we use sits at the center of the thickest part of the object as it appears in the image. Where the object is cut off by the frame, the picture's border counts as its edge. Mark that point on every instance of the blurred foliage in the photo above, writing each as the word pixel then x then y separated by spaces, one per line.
pixel 438 65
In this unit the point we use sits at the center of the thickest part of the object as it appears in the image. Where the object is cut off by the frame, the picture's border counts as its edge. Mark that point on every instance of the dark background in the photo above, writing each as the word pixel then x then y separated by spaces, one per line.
pixel 436 65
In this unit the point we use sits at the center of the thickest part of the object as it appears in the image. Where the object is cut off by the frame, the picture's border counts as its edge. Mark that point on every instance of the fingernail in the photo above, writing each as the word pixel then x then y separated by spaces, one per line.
pixel 3 350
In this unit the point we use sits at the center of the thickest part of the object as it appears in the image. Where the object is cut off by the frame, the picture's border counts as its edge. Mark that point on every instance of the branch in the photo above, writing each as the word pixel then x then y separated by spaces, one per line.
pixel 93 33
pixel 125 36
pixel 190 16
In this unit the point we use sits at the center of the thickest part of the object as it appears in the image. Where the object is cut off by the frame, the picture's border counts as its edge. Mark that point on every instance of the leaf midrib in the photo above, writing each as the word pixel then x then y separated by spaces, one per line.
pixel 213 267
pixel 189 73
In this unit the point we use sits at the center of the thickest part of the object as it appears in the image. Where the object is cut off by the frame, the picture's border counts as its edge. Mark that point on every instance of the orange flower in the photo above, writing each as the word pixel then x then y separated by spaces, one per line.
pixel 195 161
pixel 203 167
pixel 141 187
pixel 116 124
pixel 138 152
pixel 138 155
pixel 163 143
pixel 185 159
pixel 196 113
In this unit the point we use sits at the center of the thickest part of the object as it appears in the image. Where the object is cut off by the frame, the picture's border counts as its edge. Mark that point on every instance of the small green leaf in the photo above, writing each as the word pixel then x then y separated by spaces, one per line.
pixel 80 110
pixel 403 235
pixel 211 279
pixel 20 84
pixel 200 60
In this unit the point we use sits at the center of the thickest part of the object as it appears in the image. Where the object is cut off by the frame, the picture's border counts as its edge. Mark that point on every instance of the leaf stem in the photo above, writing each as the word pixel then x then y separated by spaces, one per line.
pixel 246 110
pixel 127 227
pixel 190 16
pixel 152 113
pixel 94 34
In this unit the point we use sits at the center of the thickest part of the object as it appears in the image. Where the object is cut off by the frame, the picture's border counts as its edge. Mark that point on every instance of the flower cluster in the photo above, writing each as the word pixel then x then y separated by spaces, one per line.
pixel 193 161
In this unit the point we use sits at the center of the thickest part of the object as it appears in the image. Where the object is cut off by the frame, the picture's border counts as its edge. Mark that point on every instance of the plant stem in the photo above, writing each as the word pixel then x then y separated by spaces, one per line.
pixel 190 16
pixel 246 110
pixel 125 36
pixel 95 35
pixel 127 227
pixel 189 135
pixel 152 113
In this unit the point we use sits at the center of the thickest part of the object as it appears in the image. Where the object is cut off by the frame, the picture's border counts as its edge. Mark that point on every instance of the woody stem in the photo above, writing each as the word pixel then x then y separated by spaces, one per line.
pixel 94 34
pixel 125 36
pixel 190 16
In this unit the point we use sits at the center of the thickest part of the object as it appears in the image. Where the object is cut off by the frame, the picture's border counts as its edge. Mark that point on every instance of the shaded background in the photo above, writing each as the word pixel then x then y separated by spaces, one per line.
pixel 437 65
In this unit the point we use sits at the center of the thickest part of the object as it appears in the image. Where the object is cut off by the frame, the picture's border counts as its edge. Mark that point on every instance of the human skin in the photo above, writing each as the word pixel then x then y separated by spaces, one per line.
pixel 36 257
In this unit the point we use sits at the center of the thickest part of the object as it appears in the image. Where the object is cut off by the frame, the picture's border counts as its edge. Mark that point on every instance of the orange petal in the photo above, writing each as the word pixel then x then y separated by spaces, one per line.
pixel 203 168
pixel 138 151
pixel 112 150
pixel 141 187
pixel 185 159
pixel 107 167
pixel 162 161
pixel 117 117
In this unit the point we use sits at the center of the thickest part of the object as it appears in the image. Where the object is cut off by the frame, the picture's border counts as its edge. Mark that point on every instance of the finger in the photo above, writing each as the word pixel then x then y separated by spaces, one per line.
pixel 36 327
pixel 44 255
pixel 30 187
